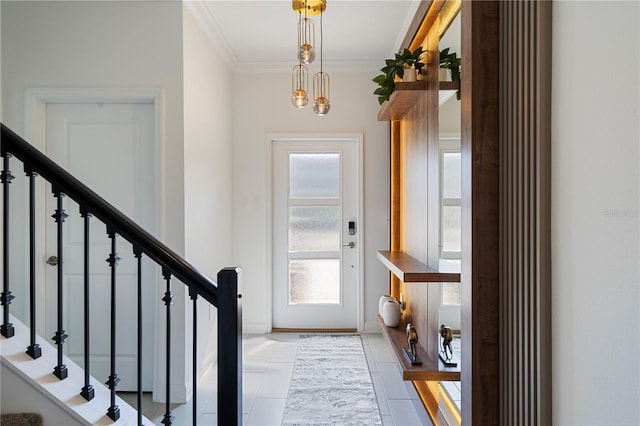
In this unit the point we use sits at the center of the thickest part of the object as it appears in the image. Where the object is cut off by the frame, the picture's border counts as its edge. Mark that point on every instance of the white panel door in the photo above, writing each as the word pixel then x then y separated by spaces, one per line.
pixel 315 255
pixel 110 148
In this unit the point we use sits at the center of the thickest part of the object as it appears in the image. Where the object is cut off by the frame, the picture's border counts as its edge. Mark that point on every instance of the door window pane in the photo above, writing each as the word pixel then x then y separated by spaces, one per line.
pixel 314 175
pixel 314 228
pixel 451 173
pixel 314 281
pixel 451 294
pixel 451 222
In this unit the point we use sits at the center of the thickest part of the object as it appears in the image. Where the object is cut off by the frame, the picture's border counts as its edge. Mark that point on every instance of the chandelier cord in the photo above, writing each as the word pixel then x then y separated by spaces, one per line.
pixel 305 27
pixel 300 60
pixel 321 49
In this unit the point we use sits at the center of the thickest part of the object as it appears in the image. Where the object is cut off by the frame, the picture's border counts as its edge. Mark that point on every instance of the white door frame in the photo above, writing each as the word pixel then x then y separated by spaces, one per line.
pixel 36 100
pixel 357 138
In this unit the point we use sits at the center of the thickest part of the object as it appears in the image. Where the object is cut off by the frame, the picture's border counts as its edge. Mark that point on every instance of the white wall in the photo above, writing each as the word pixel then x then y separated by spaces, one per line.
pixel 53 44
pixel 207 167
pixel 105 45
pixel 262 106
pixel 595 213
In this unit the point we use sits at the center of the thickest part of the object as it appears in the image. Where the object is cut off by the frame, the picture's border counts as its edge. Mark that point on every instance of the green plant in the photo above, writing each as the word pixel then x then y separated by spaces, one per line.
pixel 451 62
pixel 395 67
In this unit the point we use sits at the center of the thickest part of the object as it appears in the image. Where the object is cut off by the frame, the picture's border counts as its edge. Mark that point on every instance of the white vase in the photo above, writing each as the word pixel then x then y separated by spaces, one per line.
pixel 391 313
pixel 409 75
pixel 382 300
pixel 443 74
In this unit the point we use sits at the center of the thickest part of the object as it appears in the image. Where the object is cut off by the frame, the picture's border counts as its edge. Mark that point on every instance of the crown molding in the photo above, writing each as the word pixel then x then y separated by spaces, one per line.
pixel 208 24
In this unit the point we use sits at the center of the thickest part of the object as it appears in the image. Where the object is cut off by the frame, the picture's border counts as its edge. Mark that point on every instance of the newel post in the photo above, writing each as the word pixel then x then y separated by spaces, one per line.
pixel 230 346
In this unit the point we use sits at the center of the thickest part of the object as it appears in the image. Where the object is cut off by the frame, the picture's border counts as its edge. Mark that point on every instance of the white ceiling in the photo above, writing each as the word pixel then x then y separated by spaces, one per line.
pixel 260 35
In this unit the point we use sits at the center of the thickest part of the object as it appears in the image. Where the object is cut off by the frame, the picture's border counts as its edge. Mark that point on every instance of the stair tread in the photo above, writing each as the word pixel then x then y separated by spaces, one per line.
pixel 65 393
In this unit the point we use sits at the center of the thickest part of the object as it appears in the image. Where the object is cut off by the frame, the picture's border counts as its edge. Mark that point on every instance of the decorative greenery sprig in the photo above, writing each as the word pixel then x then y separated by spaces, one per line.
pixel 395 67
pixel 451 62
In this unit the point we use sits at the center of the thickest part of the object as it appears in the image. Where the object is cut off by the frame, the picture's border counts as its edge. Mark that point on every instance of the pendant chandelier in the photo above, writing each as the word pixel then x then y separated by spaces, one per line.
pixel 306 55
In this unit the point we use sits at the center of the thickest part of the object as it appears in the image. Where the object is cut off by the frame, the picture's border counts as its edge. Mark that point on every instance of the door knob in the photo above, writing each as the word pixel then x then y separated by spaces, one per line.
pixel 53 261
pixel 351 244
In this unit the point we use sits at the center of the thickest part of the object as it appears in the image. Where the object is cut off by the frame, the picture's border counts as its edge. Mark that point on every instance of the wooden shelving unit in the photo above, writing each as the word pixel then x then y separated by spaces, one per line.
pixel 406 94
pixel 410 270
pixel 429 370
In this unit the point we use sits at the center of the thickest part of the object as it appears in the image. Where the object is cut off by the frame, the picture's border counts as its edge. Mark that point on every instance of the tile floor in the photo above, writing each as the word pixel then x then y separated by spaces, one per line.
pixel 268 365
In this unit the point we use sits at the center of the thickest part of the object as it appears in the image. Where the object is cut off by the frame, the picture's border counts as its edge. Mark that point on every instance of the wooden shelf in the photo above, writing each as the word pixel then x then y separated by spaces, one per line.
pixel 448 85
pixel 401 100
pixel 410 270
pixel 405 95
pixel 429 370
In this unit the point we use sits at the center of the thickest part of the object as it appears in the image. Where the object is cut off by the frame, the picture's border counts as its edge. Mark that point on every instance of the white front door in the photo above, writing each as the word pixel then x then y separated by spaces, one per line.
pixel 110 148
pixel 316 240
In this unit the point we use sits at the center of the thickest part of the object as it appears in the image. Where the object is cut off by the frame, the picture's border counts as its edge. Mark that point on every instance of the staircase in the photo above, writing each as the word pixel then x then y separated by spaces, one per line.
pixel 62 391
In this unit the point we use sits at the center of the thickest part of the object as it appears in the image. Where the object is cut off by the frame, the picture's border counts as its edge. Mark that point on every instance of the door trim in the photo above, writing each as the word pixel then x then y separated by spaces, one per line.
pixel 357 138
pixel 36 100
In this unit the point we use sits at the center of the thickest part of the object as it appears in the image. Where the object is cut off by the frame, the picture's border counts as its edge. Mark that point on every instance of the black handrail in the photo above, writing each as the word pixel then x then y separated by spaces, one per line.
pixel 64 182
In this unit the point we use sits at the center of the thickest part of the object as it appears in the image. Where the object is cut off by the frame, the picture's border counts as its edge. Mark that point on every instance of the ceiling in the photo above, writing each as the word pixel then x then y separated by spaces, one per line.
pixel 260 36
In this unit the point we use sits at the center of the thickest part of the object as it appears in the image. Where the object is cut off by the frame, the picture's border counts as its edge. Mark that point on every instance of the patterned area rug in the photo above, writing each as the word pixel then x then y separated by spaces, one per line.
pixel 331 384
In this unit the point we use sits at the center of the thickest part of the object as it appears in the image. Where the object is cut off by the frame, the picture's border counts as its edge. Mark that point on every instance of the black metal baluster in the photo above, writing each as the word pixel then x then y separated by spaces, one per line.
pixel 194 296
pixel 6 329
pixel 60 371
pixel 138 254
pixel 114 411
pixel 87 391
pixel 33 350
pixel 168 301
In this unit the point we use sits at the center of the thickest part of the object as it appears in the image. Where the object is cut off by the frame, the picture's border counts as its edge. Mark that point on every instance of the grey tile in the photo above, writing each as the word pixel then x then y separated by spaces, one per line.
pixel 208 419
pixel 371 361
pixel 266 412
pixel 250 385
pixel 276 380
pixel 387 421
pixel 394 386
pixel 381 350
pixel 404 413
pixel 381 396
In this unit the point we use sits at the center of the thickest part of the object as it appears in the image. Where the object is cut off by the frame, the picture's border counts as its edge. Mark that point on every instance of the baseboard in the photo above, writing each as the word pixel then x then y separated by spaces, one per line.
pixel 254 328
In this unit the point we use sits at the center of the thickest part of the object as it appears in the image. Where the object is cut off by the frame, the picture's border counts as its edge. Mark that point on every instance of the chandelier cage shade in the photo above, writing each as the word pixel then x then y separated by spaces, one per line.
pixel 321 102
pixel 306 40
pixel 300 86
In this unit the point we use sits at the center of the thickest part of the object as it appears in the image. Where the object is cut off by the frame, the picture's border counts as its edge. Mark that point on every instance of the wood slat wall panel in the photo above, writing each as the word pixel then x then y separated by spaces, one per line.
pixel 525 213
